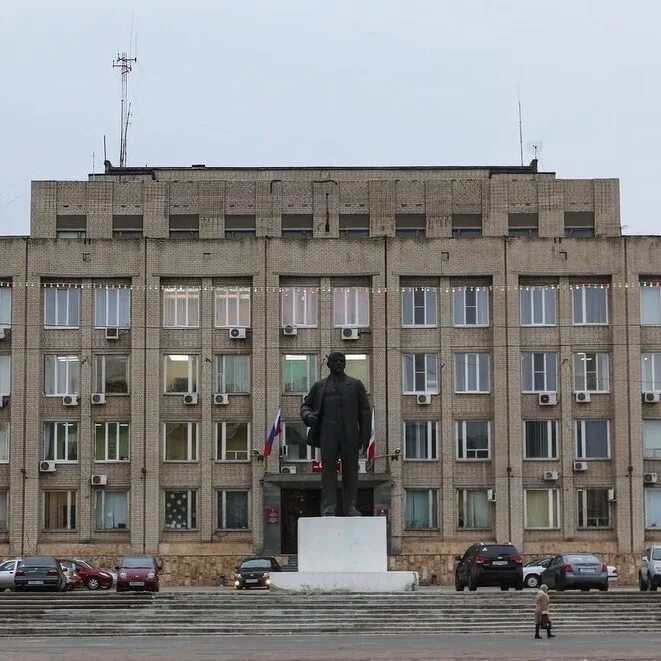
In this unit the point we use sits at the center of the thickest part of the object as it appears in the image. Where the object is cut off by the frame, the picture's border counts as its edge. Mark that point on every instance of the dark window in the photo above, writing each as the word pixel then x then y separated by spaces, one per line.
pixel 579 224
pixel 523 224
pixel 410 225
pixel 185 226
pixel 355 225
pixel 71 227
pixel 239 226
pixel 127 227
pixel 466 225
pixel 297 226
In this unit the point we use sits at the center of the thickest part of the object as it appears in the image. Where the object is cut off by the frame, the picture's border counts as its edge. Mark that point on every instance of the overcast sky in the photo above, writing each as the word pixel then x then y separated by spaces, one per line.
pixel 340 82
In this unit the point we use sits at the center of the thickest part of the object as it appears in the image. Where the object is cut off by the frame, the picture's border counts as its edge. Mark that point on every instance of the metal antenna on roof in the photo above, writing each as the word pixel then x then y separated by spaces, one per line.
pixel 518 93
pixel 124 64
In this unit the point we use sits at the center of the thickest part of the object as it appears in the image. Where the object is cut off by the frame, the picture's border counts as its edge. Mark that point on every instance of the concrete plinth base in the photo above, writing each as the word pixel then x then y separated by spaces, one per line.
pixel 387 581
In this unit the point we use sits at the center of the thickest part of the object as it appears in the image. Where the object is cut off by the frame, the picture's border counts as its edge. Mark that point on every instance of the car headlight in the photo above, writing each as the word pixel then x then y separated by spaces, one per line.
pixel 237 576
pixel 151 575
pixel 122 575
pixel 265 574
pixel 237 583
pixel 106 574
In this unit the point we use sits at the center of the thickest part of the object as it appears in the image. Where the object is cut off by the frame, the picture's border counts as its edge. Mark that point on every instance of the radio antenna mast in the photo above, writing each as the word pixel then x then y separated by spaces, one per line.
pixel 125 64
pixel 518 93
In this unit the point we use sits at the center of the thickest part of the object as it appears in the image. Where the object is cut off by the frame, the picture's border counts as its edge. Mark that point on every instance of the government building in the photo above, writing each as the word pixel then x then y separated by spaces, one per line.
pixel 157 319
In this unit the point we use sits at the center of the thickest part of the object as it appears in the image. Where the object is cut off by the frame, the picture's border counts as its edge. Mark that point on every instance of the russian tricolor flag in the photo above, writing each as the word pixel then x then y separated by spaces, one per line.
pixel 371 448
pixel 275 431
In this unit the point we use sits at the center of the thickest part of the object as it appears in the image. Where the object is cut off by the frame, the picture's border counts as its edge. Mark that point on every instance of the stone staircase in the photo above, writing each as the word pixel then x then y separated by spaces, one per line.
pixel 227 612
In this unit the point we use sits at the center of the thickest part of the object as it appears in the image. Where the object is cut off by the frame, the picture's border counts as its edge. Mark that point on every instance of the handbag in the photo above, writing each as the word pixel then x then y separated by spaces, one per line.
pixel 546 622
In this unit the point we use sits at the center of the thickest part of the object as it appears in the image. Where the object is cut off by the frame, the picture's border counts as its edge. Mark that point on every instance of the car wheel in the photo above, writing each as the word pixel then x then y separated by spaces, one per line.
pixel 603 588
pixel 93 583
pixel 519 586
pixel 471 584
pixel 504 588
pixel 532 581
pixel 458 586
pixel 653 587
pixel 585 589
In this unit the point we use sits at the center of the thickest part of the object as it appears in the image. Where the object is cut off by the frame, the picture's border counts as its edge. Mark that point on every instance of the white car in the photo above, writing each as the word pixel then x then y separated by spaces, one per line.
pixel 533 570
pixel 7 571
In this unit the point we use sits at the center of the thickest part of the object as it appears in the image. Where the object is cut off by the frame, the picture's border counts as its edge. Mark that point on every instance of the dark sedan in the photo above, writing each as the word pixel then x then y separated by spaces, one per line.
pixel 138 572
pixel 255 572
pixel 579 571
pixel 41 572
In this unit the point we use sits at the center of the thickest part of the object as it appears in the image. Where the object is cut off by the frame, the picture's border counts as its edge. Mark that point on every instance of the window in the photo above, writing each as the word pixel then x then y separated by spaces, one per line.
pixel 299 306
pixel 651 369
pixel 589 305
pixel 61 441
pixel 652 439
pixel 420 373
pixel 181 509
pixel 652 508
pixel 5 305
pixel 474 509
pixel 650 305
pixel 523 224
pixel 232 307
pixel 233 508
pixel 358 366
pixel 466 225
pixel 410 225
pixel 295 442
pixel 354 225
pixel 112 374
pixel 180 441
pixel 540 439
pixel 112 307
pixel 300 372
pixel 240 226
pixel 297 226
pixel 4 510
pixel 592 439
pixel 4 442
pixel 233 374
pixel 419 306
pixel 61 375
pixel 112 441
pixel 5 375
pixel 181 307
pixel 180 373
pixel 184 226
pixel 421 508
pixel 61 307
pixel 579 224
pixel 351 307
pixel 591 372
pixel 537 306
pixel 420 439
pixel 112 510
pixel 59 510
pixel 232 441
pixel 471 306
pixel 471 372
pixel 71 227
pixel 473 439
pixel 542 507
pixel 539 371
pixel 127 226
pixel 593 508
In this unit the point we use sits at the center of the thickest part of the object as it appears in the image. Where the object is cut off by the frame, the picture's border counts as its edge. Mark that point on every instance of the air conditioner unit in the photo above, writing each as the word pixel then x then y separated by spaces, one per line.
pixel 98 398
pixel 289 330
pixel 47 467
pixel 548 398
pixel 289 469
pixel 423 399
pixel 362 465
pixel 237 333
pixel 650 478
pixel 491 495
pixel 612 496
pixel 190 398
pixel 350 333
pixel 580 466
pixel 99 480
pixel 70 400
pixel 551 476
pixel 651 397
pixel 221 399
pixel 112 333
pixel 582 397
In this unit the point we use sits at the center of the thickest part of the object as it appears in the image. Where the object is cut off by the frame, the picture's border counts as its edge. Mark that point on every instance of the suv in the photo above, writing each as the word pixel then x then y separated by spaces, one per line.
pixel 649 575
pixel 489 564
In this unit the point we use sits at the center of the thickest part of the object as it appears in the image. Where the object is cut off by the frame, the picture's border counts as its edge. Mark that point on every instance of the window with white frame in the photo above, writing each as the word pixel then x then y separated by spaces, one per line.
pixel 420 439
pixel 299 306
pixel 180 441
pixel 473 509
pixel 539 370
pixel 589 305
pixel 4 510
pixel 61 307
pixel 180 373
pixel 351 307
pixel 180 509
pixel 112 374
pixel 650 305
pixel 421 508
pixel 61 375
pixel 420 373
pixel 471 372
pixel 358 367
pixel 295 442
pixel 4 442
pixel 233 374
pixel 542 508
pixel 591 372
pixel 181 307
pixel 5 305
pixel 537 305
pixel 419 307
pixel 111 510
pixel 593 508
pixel 652 438
pixel 299 373
pixel 112 307
pixel 5 374
pixel 232 307
pixel 473 439
pixel 112 441
pixel 59 510
pixel 61 442
pixel 592 439
pixel 651 370
pixel 540 439
pixel 233 506
pixel 471 306
pixel 232 441
pixel 652 508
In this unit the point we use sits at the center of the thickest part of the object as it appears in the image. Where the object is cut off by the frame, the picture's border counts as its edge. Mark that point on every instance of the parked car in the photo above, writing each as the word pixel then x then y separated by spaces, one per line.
pixel 649 574
pixel 138 572
pixel 90 577
pixel 489 564
pixel 581 571
pixel 42 572
pixel 7 570
pixel 255 572
pixel 532 571
pixel 74 582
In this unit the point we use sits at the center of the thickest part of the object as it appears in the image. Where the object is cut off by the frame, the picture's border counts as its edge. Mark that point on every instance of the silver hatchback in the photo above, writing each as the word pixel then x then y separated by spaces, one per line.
pixel 7 572
pixel 580 571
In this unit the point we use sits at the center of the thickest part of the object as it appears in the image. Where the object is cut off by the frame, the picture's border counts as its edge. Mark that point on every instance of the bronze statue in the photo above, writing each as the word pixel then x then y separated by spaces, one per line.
pixel 337 412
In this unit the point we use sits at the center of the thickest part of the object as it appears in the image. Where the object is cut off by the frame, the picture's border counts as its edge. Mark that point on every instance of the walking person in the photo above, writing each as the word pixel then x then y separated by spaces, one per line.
pixel 542 618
